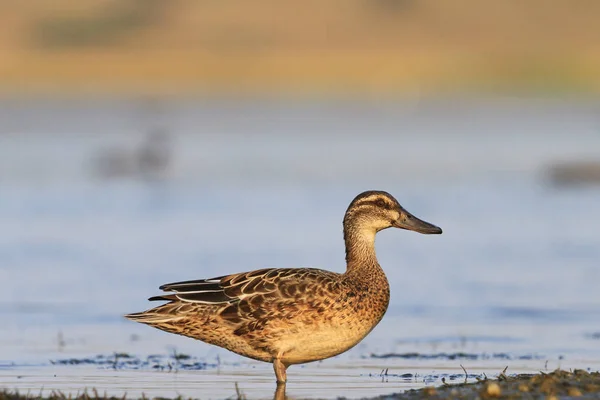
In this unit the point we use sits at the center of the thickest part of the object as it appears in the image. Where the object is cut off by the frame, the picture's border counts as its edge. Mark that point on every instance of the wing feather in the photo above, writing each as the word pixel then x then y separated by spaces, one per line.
pixel 219 290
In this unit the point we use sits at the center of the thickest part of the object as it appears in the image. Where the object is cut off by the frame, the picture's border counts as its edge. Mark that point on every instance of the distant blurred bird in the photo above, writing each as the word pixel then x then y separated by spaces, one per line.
pixel 289 316
pixel 575 173
pixel 151 160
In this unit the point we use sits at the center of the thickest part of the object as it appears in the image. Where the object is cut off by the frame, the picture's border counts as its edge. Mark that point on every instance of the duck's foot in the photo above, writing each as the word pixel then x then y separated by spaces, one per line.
pixel 280 371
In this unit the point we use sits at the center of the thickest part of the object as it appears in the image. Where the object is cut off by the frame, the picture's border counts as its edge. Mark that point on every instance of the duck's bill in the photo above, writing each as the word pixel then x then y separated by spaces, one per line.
pixel 412 223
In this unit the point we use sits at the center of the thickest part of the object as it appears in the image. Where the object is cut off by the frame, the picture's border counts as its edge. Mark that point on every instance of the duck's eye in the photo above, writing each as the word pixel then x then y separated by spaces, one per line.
pixel 380 203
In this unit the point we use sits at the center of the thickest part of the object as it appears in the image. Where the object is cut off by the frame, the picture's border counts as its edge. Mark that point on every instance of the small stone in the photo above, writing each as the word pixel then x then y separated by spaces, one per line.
pixel 523 388
pixel 591 387
pixel 429 391
pixel 492 389
pixel 574 392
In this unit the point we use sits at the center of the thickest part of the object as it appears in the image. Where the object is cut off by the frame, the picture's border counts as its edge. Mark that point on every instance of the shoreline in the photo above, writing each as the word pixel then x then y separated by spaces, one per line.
pixel 302 74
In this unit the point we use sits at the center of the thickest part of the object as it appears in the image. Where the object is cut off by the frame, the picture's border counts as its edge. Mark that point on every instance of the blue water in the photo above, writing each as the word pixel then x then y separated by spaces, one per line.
pixel 254 185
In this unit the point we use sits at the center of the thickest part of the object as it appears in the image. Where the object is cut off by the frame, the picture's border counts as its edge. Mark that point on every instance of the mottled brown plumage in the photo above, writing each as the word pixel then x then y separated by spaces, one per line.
pixel 292 315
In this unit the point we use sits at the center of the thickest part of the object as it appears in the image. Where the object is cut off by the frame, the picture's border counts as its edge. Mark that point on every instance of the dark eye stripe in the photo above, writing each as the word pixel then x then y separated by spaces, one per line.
pixel 381 203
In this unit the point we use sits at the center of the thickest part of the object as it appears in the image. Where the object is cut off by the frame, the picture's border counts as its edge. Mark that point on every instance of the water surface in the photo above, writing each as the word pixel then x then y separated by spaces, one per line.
pixel 254 185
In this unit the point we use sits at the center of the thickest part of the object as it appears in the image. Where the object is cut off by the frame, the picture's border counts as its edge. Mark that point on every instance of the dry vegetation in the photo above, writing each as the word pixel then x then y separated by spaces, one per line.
pixel 347 45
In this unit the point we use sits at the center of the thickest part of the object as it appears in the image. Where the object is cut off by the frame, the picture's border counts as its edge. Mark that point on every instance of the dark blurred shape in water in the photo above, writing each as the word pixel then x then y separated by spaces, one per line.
pixel 575 173
pixel 151 160
pixel 154 154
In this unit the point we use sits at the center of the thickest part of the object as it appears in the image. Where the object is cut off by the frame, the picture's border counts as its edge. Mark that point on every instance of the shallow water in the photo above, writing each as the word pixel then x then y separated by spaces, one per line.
pixel 265 185
pixel 323 381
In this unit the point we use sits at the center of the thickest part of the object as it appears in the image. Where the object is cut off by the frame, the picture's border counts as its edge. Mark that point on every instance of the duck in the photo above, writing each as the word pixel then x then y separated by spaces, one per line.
pixel 289 316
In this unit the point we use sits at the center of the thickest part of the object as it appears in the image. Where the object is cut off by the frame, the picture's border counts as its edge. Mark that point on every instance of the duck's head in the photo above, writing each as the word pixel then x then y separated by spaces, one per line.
pixel 373 211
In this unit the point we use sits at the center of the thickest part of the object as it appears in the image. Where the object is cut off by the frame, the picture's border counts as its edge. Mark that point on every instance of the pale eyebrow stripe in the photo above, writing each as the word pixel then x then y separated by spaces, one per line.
pixel 367 201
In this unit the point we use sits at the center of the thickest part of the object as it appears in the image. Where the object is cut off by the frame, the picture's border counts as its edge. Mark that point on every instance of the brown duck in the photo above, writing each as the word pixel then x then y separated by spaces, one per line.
pixel 289 316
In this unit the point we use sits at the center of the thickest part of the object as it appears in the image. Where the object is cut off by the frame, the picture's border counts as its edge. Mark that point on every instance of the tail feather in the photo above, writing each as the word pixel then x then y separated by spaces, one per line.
pixel 153 318
pixel 163 313
pixel 164 297
pixel 136 316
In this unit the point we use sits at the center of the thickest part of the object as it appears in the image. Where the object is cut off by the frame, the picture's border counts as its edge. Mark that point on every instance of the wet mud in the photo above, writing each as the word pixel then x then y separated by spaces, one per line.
pixel 458 356
pixel 172 362
pixel 555 385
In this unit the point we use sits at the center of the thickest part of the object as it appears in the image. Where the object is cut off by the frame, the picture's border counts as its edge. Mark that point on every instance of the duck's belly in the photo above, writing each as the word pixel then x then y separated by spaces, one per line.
pixel 318 344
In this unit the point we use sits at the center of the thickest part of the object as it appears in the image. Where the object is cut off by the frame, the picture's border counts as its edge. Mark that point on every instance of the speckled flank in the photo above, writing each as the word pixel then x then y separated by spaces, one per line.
pixel 290 316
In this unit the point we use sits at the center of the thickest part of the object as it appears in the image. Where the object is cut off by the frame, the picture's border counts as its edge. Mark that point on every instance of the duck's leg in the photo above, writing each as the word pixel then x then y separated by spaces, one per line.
pixel 280 373
pixel 280 392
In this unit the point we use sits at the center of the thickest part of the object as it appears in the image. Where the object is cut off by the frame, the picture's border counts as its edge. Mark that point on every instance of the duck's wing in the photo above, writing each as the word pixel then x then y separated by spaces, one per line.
pixel 218 290
pixel 249 300
pixel 282 283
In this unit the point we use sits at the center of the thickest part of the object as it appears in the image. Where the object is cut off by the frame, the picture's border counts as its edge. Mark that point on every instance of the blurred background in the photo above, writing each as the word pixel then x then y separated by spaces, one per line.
pixel 149 141
pixel 355 47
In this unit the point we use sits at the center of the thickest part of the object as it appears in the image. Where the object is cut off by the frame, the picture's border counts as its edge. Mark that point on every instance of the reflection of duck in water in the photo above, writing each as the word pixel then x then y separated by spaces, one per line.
pixel 289 316
pixel 151 160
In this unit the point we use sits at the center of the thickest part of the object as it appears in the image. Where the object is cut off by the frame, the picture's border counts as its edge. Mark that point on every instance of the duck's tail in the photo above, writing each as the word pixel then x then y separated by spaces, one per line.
pixel 165 313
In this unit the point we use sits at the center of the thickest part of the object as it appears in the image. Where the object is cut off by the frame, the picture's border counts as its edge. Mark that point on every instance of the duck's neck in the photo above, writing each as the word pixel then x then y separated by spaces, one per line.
pixel 360 250
pixel 364 277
